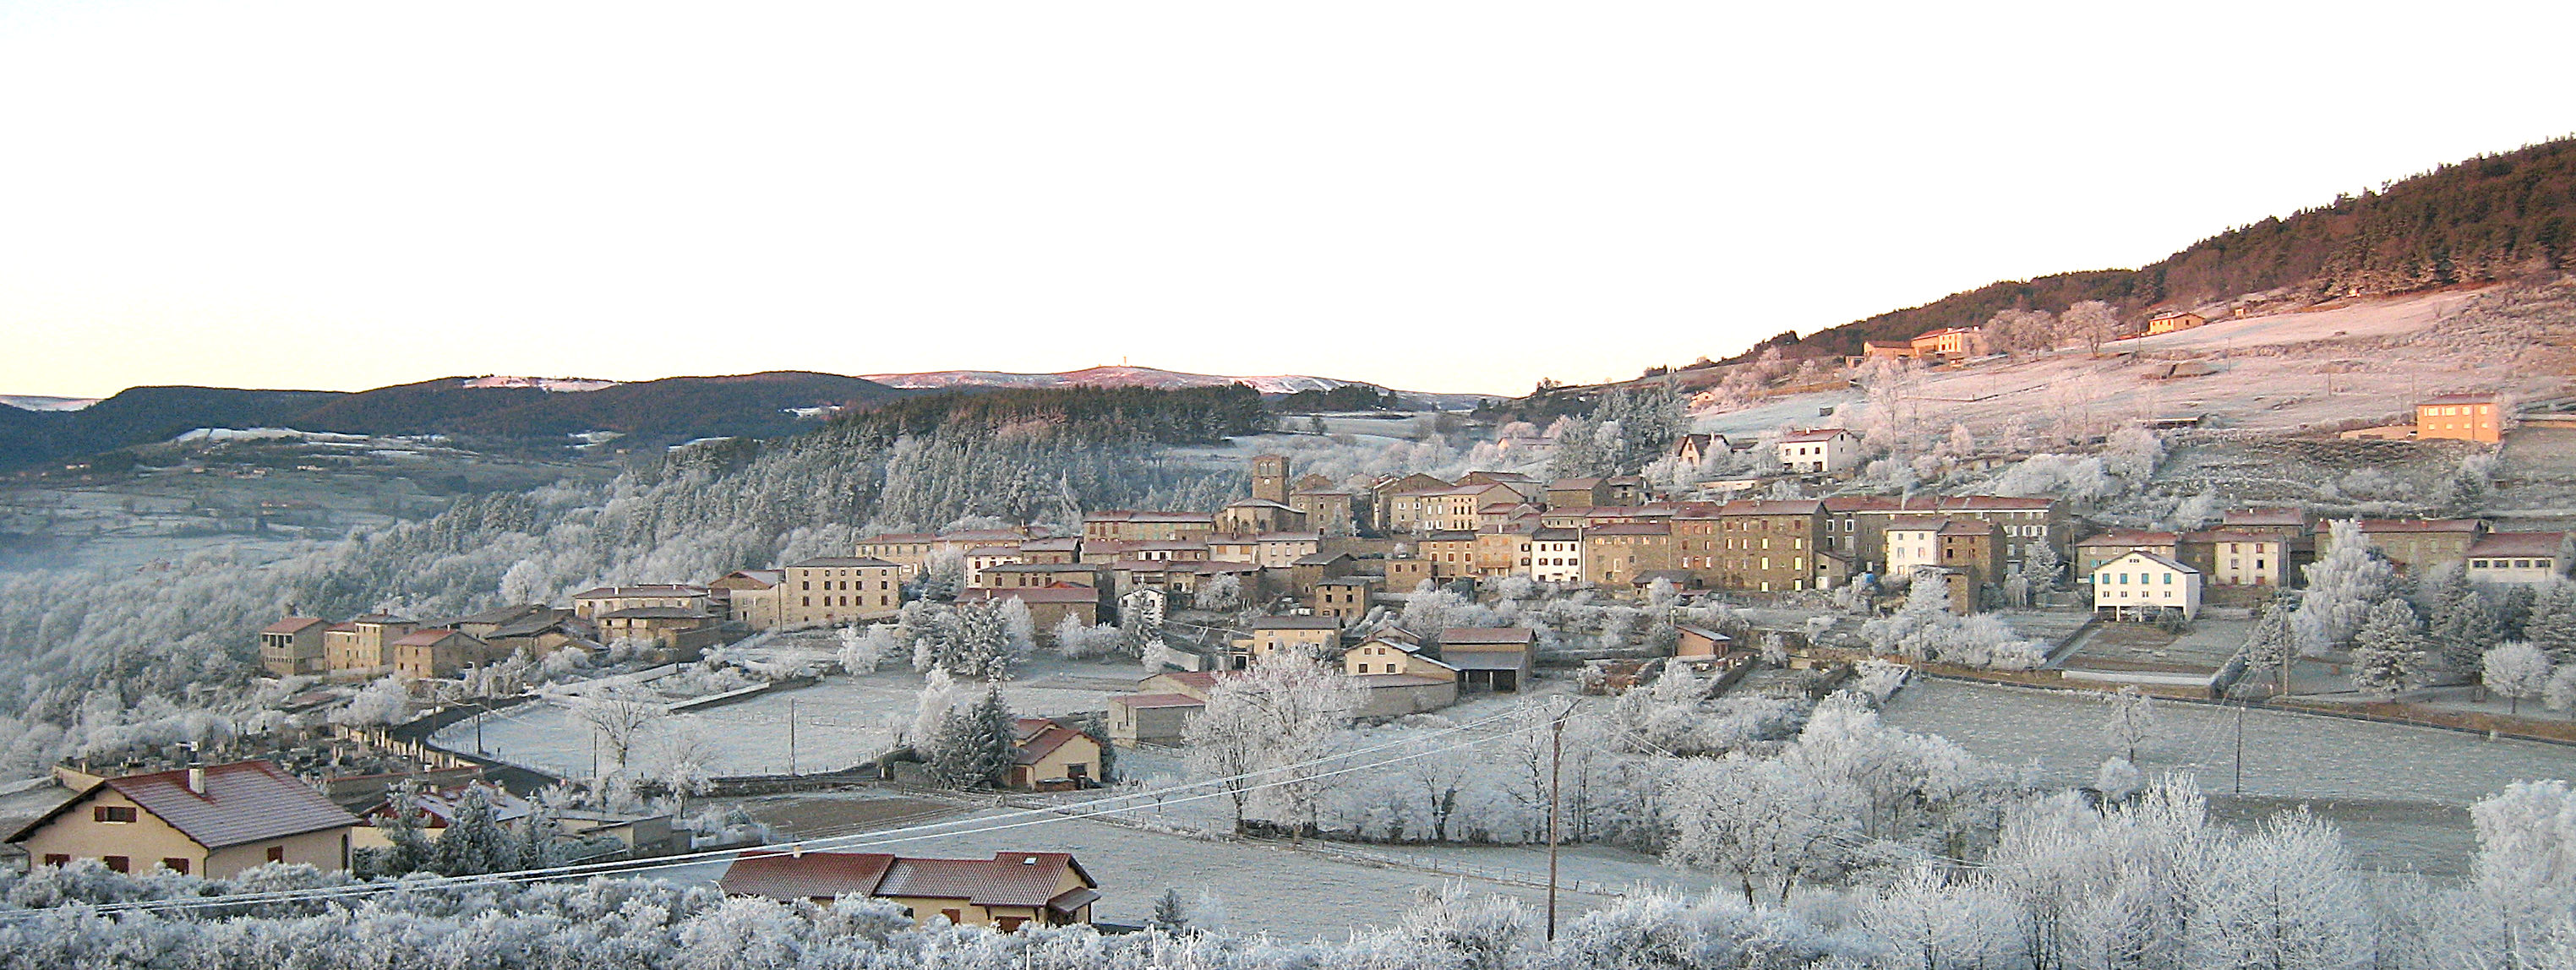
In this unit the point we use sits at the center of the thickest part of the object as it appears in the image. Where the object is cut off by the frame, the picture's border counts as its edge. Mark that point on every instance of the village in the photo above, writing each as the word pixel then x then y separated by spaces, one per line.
pixel 1416 601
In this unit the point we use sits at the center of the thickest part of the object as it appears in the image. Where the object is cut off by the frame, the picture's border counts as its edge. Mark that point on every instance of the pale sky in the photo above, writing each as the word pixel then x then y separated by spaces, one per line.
pixel 1454 197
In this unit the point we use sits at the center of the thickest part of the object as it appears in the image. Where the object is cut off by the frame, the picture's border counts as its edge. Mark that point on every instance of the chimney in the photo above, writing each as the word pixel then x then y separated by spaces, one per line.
pixel 197 779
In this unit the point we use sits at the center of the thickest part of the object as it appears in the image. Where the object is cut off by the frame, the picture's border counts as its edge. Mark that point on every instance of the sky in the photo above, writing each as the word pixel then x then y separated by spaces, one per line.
pixel 1433 196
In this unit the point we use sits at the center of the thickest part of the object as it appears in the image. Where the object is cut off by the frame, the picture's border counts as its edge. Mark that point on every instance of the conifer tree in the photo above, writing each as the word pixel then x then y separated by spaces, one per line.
pixel 474 842
pixel 2386 651
pixel 2462 624
pixel 2551 625
pixel 976 744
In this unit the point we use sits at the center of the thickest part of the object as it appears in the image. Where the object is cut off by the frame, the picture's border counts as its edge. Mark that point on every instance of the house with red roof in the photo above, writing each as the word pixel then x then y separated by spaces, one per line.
pixel 212 821
pixel 292 647
pixel 1048 756
pixel 1005 892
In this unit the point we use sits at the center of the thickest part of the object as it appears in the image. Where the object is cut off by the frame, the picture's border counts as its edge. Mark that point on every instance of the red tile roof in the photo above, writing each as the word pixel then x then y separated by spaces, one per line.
pixel 1007 879
pixel 243 802
pixel 2131 537
pixel 2421 525
pixel 292 624
pixel 814 875
pixel 2543 544
pixel 427 638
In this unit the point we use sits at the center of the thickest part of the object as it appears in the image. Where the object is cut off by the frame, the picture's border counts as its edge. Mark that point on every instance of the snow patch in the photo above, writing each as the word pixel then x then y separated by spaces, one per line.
pixel 565 385
pixel 264 434
pixel 39 402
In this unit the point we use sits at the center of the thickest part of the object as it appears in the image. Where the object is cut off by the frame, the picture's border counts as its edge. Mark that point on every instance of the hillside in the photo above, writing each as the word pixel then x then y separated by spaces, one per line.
pixel 650 412
pixel 2490 218
pixel 1150 377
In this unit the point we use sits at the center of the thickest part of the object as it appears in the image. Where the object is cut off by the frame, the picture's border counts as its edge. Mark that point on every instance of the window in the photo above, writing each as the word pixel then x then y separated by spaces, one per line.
pixel 175 864
pixel 117 863
pixel 117 814
pixel 57 859
pixel 276 853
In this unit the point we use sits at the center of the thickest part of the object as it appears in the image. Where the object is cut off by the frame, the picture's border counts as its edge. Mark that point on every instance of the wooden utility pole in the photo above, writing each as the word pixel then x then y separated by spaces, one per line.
pixel 1555 796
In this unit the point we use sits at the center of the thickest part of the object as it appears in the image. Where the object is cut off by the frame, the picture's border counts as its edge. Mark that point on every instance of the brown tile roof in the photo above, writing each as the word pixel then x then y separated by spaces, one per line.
pixel 1813 434
pixel 1007 879
pixel 1039 738
pixel 246 801
pixel 1499 636
pixel 814 875
pixel 1036 594
pixel 1915 523
pixel 1967 527
pixel 1777 506
pixel 428 638
pixel 624 592
pixel 1290 537
pixel 2421 525
pixel 648 613
pixel 1297 623
pixel 2265 517
pixel 840 562
pixel 2518 544
pixel 292 624
pixel 2131 537
pixel 1630 529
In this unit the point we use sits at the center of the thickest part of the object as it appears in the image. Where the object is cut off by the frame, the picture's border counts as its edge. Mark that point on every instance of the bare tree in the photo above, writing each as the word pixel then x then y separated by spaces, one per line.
pixel 2090 321
pixel 621 715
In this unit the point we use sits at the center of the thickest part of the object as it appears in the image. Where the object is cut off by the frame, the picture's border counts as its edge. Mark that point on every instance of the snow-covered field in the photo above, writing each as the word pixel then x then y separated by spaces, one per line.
pixel 2400 791
pixel 839 722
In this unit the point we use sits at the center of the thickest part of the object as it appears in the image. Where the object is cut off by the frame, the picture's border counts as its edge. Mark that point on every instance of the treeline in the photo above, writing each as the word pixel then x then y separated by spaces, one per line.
pixel 1182 416
pixel 2489 218
pixel 1348 397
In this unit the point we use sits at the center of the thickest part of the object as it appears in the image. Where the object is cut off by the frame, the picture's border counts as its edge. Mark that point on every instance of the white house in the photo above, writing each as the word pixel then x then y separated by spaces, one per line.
pixel 1819 450
pixel 1556 555
pixel 2517 557
pixel 2134 585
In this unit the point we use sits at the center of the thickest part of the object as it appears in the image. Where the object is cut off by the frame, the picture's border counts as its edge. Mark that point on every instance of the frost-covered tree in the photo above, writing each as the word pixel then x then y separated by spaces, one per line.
pixel 2387 650
pixel 1269 726
pixel 1019 629
pixel 940 693
pixel 863 649
pixel 2132 454
pixel 975 744
pixel 2560 693
pixel 1225 592
pixel 683 755
pixel 2272 643
pixel 2128 720
pixel 1760 820
pixel 385 701
pixel 2089 322
pixel 2285 896
pixel 2550 624
pixel 2460 623
pixel 1075 641
pixel 474 841
pixel 2516 670
pixel 2351 578
pixel 620 716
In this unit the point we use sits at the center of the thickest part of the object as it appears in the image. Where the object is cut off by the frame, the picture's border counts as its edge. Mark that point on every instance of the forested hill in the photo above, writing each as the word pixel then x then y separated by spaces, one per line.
pixel 2488 218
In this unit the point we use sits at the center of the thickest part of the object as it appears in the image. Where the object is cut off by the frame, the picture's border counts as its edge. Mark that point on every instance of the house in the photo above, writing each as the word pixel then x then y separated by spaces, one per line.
pixel 1700 646
pixel 1390 513
pixel 1006 892
pixel 1123 525
pixel 1253 516
pixel 1310 570
pixel 1170 550
pixel 1504 552
pixel 908 550
pixel 1381 655
pixel 2138 585
pixel 1049 756
pixel 214 821
pixel 750 597
pixel 2232 558
pixel 542 633
pixel 2460 417
pixel 2095 551
pixel 965 541
pixel 1911 545
pixel 432 812
pixel 1346 598
pixel 1625 490
pixel 669 626
pixel 2415 545
pixel 292 647
pixel 1615 554
pixel 2520 558
pixel 1281 550
pixel 1328 510
pixel 1313 636
pixel 1854 527
pixel 1058 551
pixel 363 646
pixel 1161 708
pixel 1971 547
pixel 1452 554
pixel 1035 575
pixel 438 652
pixel 1404 574
pixel 989 555
pixel 589 603
pixel 1695 449
pixel 1556 555
pixel 1492 658
pixel 1819 451
pixel 1886 350
pixel 1948 343
pixel 1048 605
pixel 838 589
pixel 2172 320
pixel 2286 523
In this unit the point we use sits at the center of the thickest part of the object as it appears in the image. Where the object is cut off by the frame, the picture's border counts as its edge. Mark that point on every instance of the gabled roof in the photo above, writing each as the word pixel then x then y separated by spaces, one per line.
pixel 840 562
pixel 1297 623
pixel 430 637
pixel 650 613
pixel 1630 529
pixel 1775 506
pixel 2265 517
pixel 247 801
pixel 1007 879
pixel 1322 558
pixel 1915 523
pixel 292 624
pixel 1038 738
pixel 1258 503
pixel 1811 435
pixel 631 592
pixel 2131 537
pixel 1066 544
pixel 2421 525
pixel 911 538
pixel 2150 557
pixel 1704 633
pixel 1967 527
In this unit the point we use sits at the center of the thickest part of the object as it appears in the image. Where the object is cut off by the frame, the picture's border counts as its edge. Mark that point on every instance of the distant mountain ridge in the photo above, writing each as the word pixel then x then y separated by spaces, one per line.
pixel 1126 376
pixel 669 410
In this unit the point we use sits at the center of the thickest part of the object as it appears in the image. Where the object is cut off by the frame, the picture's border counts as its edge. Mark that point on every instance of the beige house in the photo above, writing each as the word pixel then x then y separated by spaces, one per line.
pixel 1615 554
pixel 292 647
pixel 1048 605
pixel 1123 525
pixel 1313 636
pixel 590 603
pixel 2460 417
pixel 2518 558
pixel 1006 892
pixel 2138 585
pixel 2172 320
pixel 1051 551
pixel 669 626
pixel 1948 343
pixel 1161 707
pixel 1281 550
pixel 363 646
pixel 214 822
pixel 838 589
pixel 1556 555
pixel 909 550
pixel 751 596
pixel 1254 516
pixel 1330 511
pixel 1048 755
pixel 1032 575
pixel 2230 558
pixel 2415 545
pixel 1387 655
